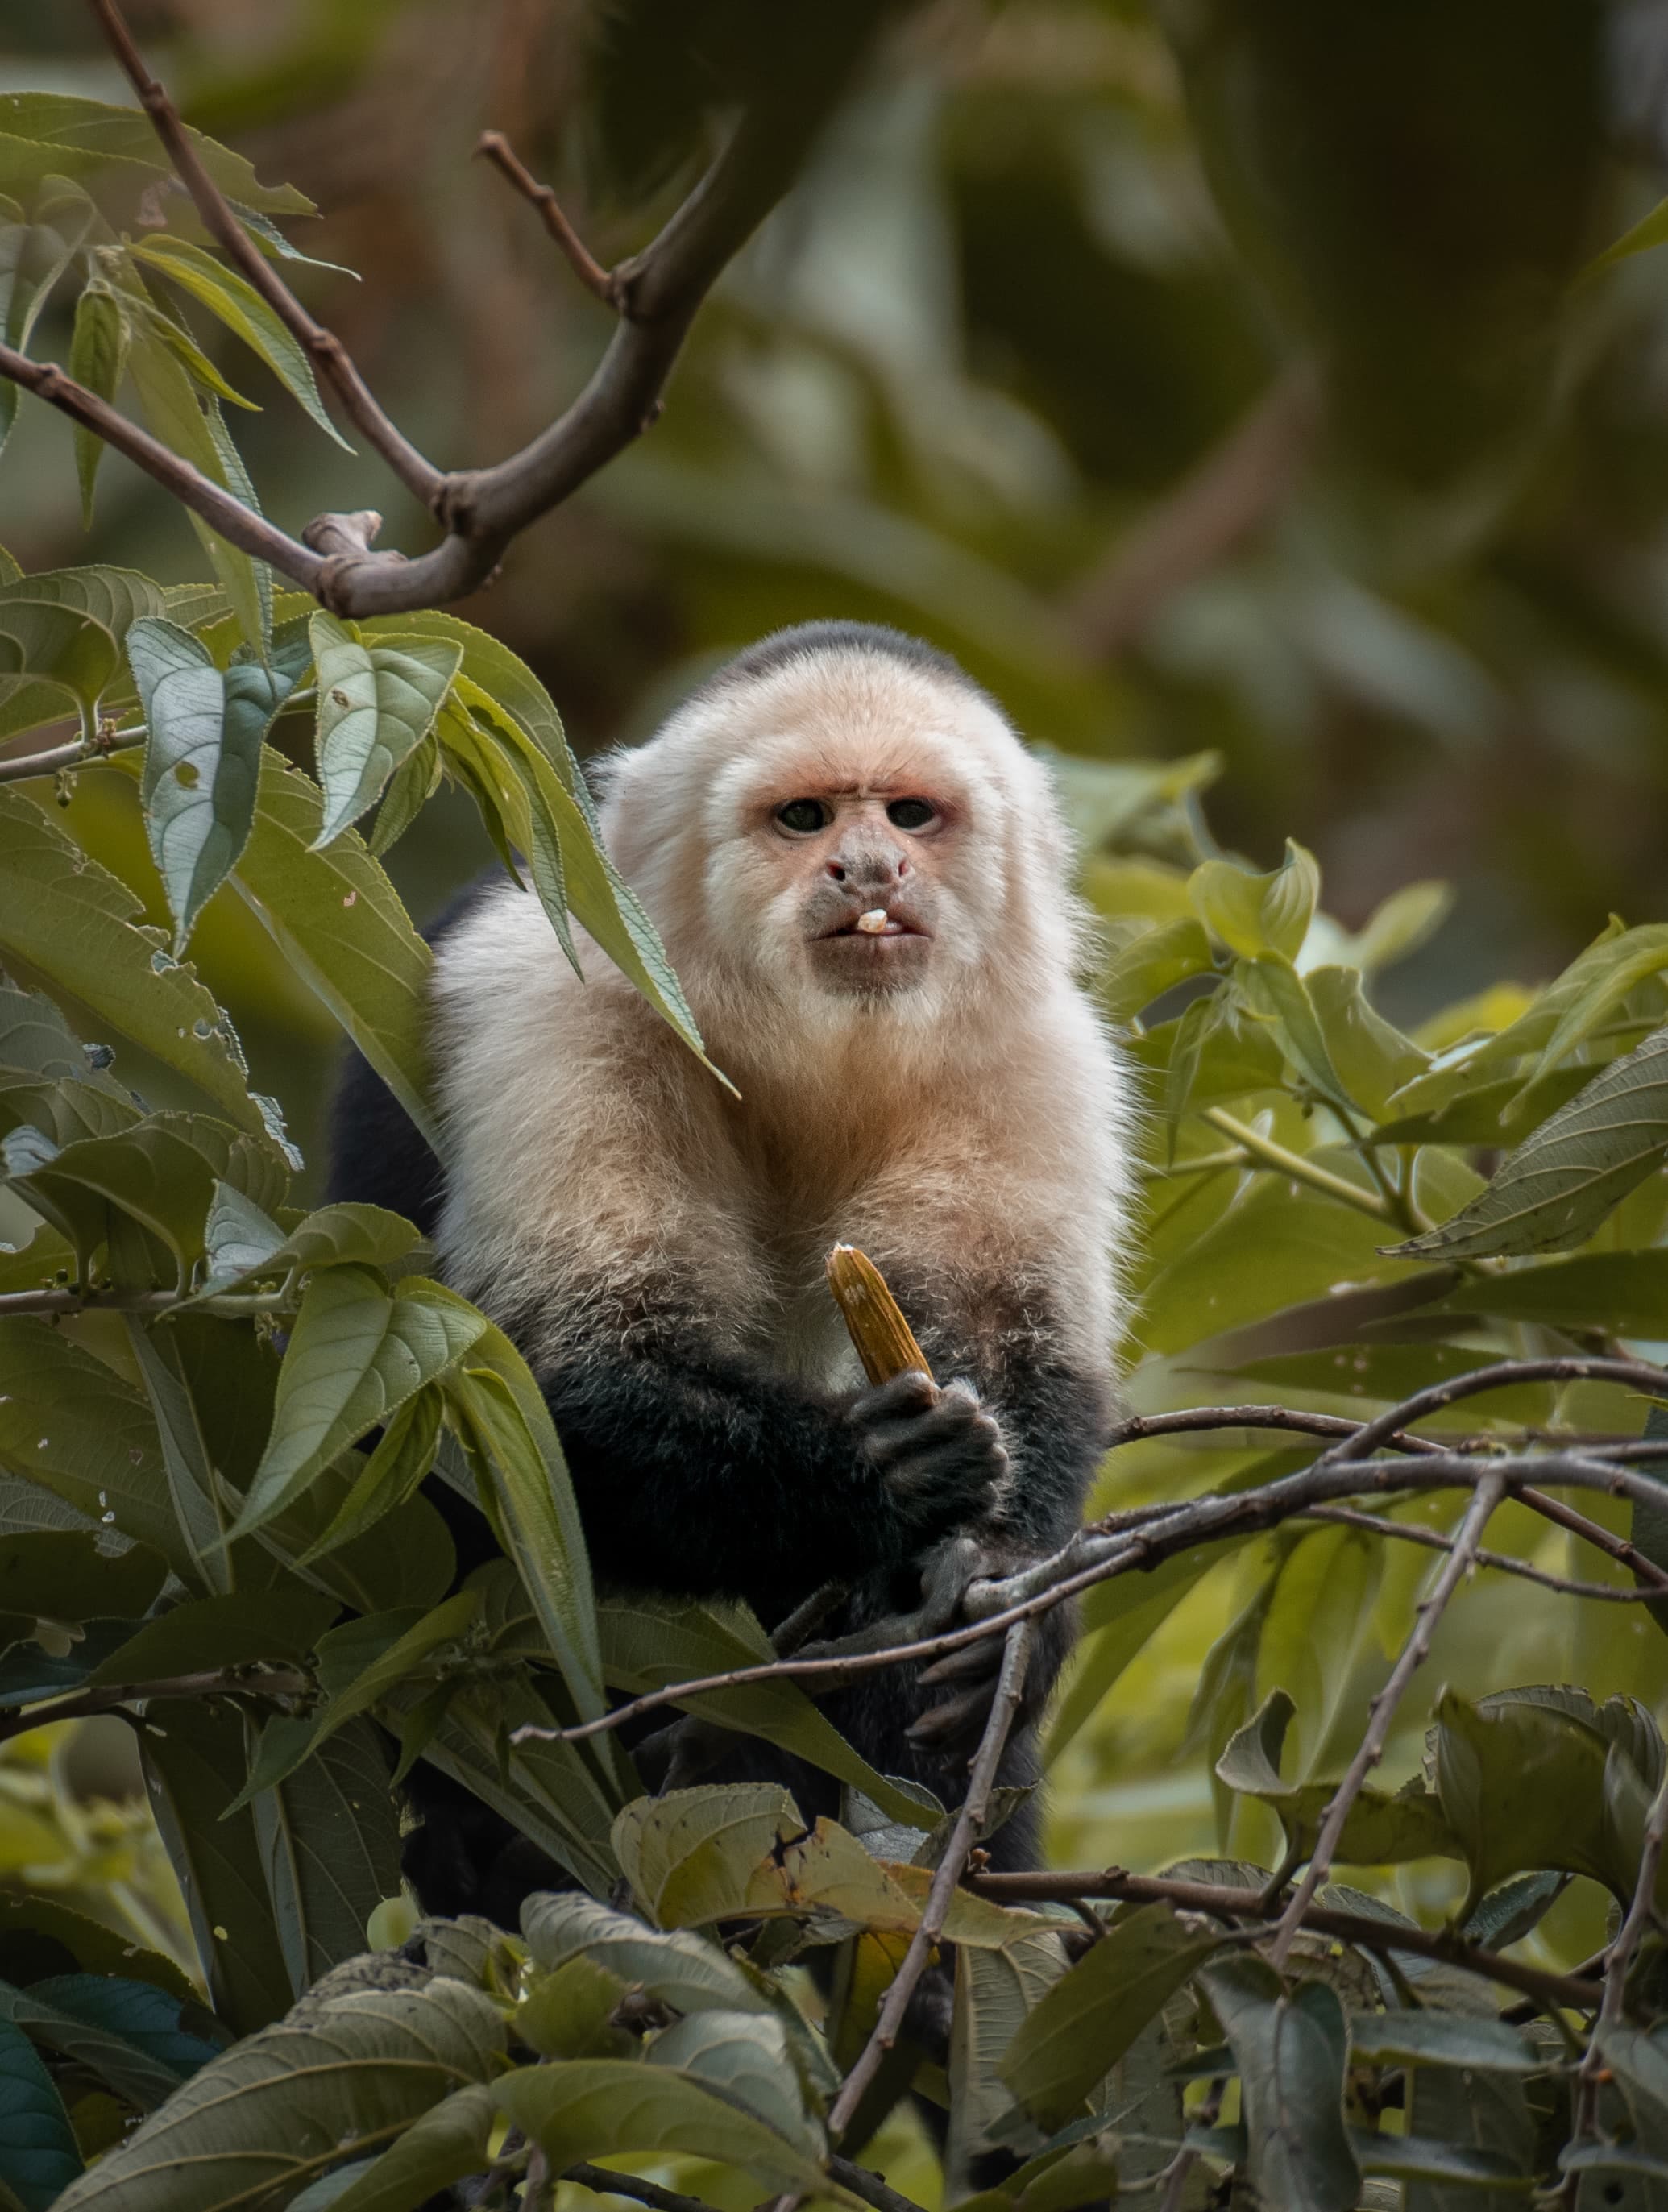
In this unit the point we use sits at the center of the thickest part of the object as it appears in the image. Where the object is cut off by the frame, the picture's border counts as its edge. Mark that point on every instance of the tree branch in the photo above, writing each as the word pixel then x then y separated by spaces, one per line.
pixel 493 146
pixel 1382 1711
pixel 70 1300
pixel 1373 1434
pixel 1298 1165
pixel 1363 1930
pixel 221 1682
pixel 78 752
pixel 1004 1710
pixel 871 2187
pixel 238 525
pixel 1231 492
pixel 657 293
pixel 353 394
pixel 1414 1532
pixel 607 2183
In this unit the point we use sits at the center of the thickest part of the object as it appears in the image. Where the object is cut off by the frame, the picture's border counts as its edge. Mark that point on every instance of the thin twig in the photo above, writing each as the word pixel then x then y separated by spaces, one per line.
pixel 1618 1958
pixel 1004 1710
pixel 607 2183
pixel 1415 1532
pixel 1298 1165
pixel 1651 1576
pixel 1189 1418
pixel 1215 507
pixel 1501 1376
pixel 353 395
pixel 220 1682
pixel 871 2187
pixel 239 524
pixel 1362 1929
pixel 60 1299
pixel 78 752
pixel 1382 1711
pixel 1091 1558
pixel 494 146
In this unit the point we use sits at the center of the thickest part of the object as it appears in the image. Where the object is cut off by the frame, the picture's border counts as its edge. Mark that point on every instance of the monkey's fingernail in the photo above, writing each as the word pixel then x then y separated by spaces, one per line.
pixel 873 922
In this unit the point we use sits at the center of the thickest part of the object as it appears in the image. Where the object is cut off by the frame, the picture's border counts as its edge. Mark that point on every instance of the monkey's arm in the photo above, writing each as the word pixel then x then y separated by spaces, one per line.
pixel 698 1472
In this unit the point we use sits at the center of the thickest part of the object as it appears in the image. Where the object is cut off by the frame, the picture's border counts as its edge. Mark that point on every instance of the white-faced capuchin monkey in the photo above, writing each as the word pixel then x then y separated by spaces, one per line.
pixel 861 879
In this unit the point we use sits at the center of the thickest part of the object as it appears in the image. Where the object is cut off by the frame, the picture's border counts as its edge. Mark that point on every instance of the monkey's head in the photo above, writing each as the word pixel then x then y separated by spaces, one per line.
pixel 841 823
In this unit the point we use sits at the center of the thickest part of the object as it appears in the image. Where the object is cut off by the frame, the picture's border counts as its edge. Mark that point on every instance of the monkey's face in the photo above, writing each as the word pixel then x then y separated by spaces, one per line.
pixel 856 872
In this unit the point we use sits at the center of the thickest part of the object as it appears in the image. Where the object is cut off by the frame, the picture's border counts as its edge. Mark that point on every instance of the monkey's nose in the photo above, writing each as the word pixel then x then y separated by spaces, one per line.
pixel 873 868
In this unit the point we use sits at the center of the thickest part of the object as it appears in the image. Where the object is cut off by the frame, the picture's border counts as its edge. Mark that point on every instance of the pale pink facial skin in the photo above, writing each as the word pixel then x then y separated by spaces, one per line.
pixel 865 882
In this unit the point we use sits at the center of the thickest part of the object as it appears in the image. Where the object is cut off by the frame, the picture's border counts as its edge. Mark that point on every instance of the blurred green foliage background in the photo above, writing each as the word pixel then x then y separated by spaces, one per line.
pixel 1232 374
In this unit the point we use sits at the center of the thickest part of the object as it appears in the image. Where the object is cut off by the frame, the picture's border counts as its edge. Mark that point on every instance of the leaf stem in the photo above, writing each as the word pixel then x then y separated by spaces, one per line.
pixel 1296 1165
pixel 78 752
pixel 220 1682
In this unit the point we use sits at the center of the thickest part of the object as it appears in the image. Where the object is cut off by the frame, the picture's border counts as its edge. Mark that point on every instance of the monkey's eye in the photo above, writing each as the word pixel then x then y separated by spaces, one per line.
pixel 803 815
pixel 912 813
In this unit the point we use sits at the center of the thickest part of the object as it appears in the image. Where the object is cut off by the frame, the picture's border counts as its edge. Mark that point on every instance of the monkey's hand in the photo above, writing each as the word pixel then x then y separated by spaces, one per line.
pixel 965 1681
pixel 939 1452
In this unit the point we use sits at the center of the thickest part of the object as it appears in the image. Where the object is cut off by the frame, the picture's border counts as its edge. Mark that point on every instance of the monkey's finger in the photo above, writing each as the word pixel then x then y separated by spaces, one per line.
pixel 951 1423
pixel 977 1662
pixel 912 1392
pixel 956 1724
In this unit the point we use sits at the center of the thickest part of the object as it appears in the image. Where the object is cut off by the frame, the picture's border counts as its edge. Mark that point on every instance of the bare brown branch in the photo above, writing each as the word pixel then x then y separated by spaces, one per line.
pixel 221 1682
pixel 1382 1712
pixel 1005 1710
pixel 1363 1930
pixel 493 146
pixel 327 350
pixel 1209 514
pixel 78 752
pixel 1414 1532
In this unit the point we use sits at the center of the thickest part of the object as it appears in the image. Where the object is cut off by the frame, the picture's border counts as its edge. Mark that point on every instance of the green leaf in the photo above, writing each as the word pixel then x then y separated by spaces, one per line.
pixel 1452 2169
pixel 1651 230
pixel 1381 1829
pixel 38 1935
pixel 1290 2049
pixel 403 1455
pixel 1252 915
pixel 502 1417
pixel 208 1634
pixel 1441 2039
pixel 648 1643
pixel 1463 2123
pixel 127 2033
pixel 73 926
pixel 356 1352
pixel 70 1424
pixel 61 641
pixel 192 1772
pixel 203 756
pixel 1621 1293
pixel 345 2074
pixel 679 1968
pixel 244 312
pixel 410 788
pixel 445 2144
pixel 686 1853
pixel 243 1243
pixel 1554 1191
pixel 329 1837
pixel 1152 963
pixel 1522 1786
pixel 1083 2026
pixel 98 356
pixel 1398 926
pixel 745 2057
pixel 1372 1058
pixel 61 1574
pixel 82 136
pixel 340 925
pixel 38 2153
pixel 593 2108
pixel 33 254
pixel 172 409
pixel 376 705
pixel 1273 991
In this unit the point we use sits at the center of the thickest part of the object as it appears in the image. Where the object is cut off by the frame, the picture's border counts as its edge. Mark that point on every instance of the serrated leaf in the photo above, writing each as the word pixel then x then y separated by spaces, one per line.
pixel 444 2145
pixel 1083 2026
pixel 346 2074
pixel 1441 2039
pixel 603 2107
pixel 501 1417
pixel 60 640
pixel 376 705
pixel 356 1352
pixel 97 355
pixel 82 136
pixel 172 409
pixel 681 1969
pixel 1559 1184
pixel 1252 915
pixel 71 923
pixel 686 1853
pixel 1290 2049
pixel 648 1643
pixel 202 756
pixel 237 304
pixel 38 2157
pixel 242 1241
pixel 342 927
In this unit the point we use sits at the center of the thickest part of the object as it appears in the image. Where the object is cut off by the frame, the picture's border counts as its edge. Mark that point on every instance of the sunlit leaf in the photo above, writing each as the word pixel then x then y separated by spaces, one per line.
pixel 376 704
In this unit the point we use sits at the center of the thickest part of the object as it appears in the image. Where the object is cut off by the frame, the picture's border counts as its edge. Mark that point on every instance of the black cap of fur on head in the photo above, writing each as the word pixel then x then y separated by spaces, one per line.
pixel 811 640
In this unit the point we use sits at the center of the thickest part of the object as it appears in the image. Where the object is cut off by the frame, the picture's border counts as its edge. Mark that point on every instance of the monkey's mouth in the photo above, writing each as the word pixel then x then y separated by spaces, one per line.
pixel 876 926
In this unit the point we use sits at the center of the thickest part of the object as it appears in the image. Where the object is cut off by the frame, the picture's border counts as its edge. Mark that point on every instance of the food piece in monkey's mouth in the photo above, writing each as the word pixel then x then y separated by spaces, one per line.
pixel 873 922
